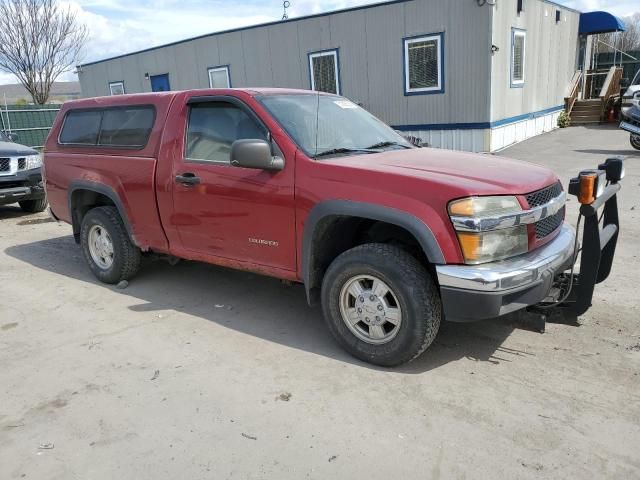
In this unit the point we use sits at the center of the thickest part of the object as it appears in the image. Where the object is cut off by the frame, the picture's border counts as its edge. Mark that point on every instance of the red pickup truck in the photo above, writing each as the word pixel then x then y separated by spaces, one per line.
pixel 390 238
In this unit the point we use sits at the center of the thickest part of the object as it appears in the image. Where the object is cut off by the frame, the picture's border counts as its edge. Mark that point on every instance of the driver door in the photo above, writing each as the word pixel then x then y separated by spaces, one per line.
pixel 221 211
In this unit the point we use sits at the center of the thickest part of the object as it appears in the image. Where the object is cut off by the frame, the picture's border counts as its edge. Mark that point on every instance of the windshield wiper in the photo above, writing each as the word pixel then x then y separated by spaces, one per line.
pixel 387 144
pixel 335 151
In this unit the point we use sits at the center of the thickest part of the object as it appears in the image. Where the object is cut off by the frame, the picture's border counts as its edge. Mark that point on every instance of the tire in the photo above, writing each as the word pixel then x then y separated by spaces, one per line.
pixel 635 141
pixel 411 288
pixel 33 206
pixel 104 226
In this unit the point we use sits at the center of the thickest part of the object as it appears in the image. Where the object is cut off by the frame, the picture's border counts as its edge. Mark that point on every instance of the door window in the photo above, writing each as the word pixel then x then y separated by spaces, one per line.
pixel 213 127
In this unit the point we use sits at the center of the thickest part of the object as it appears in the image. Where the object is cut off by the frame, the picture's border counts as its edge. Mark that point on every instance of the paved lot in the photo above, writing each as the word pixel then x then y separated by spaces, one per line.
pixel 197 372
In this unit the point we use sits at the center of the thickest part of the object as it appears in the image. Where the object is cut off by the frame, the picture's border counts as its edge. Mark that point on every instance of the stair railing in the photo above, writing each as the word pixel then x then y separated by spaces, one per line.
pixel 610 88
pixel 573 91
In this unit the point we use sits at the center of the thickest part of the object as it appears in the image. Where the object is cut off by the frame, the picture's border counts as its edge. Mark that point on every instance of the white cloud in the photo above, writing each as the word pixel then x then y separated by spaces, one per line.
pixel 621 8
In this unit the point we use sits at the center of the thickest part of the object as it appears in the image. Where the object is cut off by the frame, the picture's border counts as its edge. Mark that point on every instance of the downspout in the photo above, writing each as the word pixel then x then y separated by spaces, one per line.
pixel 490 75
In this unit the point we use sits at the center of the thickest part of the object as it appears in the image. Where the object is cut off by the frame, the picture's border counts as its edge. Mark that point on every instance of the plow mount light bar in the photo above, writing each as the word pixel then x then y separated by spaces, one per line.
pixel 595 189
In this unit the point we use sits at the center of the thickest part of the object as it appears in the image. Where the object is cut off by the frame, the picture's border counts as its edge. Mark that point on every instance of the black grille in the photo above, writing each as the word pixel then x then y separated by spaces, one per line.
pixel 543 196
pixel 22 163
pixel 4 164
pixel 548 225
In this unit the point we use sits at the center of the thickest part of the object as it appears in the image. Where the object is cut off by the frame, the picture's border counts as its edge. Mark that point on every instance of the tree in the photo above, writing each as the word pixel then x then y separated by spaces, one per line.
pixel 630 37
pixel 39 41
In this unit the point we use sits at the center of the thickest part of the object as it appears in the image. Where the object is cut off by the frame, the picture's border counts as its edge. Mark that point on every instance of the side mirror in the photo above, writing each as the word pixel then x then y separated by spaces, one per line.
pixel 254 153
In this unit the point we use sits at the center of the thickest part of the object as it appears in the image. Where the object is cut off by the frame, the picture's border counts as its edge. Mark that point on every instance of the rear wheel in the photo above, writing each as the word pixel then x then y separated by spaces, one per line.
pixel 381 304
pixel 33 206
pixel 106 246
pixel 635 141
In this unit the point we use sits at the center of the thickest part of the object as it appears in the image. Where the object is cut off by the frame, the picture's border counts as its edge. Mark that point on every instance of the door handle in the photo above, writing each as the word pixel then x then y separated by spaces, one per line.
pixel 188 178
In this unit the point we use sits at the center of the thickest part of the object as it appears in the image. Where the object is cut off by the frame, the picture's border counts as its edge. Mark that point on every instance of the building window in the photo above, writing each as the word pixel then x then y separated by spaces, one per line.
pixel 324 71
pixel 116 88
pixel 518 46
pixel 219 77
pixel 423 64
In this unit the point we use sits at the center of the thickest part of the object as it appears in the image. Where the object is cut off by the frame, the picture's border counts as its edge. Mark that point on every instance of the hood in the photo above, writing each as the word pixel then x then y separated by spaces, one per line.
pixel 631 90
pixel 10 149
pixel 463 174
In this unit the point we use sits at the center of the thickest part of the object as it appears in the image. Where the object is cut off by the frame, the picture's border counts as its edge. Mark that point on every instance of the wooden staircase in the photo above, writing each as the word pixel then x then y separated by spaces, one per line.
pixel 585 112
pixel 593 110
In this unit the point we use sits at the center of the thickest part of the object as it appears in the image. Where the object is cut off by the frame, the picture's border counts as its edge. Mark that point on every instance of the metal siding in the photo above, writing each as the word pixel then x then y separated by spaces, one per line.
pixel 134 80
pixel 146 63
pixel 385 28
pixel 284 51
pixel 207 55
pixel 232 54
pixel 313 35
pixel 347 33
pixel 550 57
pixel 187 68
pixel 257 58
pixel 114 73
pixel 165 62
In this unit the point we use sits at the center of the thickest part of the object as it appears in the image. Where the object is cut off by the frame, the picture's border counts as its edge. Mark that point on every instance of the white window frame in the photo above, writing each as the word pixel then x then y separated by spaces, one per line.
pixel 439 88
pixel 113 84
pixel 336 63
pixel 224 68
pixel 515 32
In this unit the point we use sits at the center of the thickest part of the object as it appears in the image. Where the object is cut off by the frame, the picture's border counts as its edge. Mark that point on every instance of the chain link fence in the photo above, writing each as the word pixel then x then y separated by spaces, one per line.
pixel 30 122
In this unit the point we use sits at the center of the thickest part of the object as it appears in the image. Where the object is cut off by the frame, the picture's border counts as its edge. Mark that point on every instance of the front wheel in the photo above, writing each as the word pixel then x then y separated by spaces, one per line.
pixel 106 246
pixel 381 304
pixel 635 141
pixel 33 206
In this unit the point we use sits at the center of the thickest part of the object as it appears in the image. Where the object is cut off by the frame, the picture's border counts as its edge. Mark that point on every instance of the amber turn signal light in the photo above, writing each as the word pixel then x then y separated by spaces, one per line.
pixel 470 245
pixel 588 186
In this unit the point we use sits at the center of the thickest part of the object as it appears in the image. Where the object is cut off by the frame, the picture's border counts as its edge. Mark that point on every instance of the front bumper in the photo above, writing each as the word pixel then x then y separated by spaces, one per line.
pixel 24 185
pixel 477 292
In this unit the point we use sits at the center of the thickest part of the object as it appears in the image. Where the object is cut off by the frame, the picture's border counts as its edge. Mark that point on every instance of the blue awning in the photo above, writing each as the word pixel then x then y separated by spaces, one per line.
pixel 599 22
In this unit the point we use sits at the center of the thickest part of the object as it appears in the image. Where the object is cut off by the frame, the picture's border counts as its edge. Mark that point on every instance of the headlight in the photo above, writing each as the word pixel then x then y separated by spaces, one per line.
pixel 484 206
pixel 491 245
pixel 34 161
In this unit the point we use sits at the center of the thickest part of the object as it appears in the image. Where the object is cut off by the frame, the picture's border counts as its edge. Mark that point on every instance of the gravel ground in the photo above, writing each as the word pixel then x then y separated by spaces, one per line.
pixel 197 372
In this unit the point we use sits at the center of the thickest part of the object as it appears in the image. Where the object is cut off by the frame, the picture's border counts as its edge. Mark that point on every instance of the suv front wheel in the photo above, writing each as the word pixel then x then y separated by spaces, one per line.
pixel 106 246
pixel 381 304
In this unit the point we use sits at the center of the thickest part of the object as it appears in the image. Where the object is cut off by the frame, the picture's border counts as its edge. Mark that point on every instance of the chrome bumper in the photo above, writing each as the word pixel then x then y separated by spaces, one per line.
pixel 477 292
pixel 516 272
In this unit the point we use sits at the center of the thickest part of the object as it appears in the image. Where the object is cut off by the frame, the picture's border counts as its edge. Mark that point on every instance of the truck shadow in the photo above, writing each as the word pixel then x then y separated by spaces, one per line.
pixel 12 211
pixel 260 306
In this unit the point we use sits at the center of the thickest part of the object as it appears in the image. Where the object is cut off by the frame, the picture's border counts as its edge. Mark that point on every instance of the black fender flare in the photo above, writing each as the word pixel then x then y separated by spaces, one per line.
pixel 103 190
pixel 409 222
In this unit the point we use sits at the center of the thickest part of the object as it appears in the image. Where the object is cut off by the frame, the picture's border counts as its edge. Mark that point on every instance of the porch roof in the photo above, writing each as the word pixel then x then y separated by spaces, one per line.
pixel 599 22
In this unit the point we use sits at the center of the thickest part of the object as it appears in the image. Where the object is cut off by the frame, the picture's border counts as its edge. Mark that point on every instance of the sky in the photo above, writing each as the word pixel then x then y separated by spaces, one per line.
pixel 121 26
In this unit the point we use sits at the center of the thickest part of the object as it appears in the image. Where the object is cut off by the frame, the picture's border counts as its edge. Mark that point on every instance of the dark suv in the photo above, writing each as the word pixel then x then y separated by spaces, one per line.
pixel 20 175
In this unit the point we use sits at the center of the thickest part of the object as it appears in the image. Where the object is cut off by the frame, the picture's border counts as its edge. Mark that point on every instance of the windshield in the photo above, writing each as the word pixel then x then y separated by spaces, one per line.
pixel 3 137
pixel 327 125
pixel 636 79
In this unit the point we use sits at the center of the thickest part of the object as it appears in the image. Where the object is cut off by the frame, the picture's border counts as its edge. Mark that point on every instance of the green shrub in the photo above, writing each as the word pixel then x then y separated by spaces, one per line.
pixel 564 120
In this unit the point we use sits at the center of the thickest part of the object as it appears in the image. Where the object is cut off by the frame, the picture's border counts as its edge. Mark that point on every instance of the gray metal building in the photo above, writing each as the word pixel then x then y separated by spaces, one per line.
pixel 472 75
